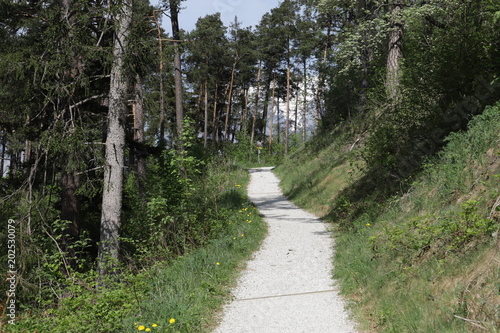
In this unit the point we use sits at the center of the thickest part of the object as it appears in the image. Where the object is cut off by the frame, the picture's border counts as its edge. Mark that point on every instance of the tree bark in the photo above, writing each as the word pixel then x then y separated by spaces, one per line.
pixel 287 120
pixel 205 126
pixel 215 134
pixel 179 109
pixel 2 154
pixel 271 120
pixel 304 111
pixel 395 53
pixel 138 113
pixel 229 98
pixel 256 109
pixel 162 94
pixel 115 145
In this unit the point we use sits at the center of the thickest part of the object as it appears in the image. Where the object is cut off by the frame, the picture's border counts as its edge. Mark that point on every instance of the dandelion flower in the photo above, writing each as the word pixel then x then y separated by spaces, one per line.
pixel 141 328
pixel 147 329
pixel 368 224
pixel 217 263
pixel 171 321
pixel 155 325
pixel 242 235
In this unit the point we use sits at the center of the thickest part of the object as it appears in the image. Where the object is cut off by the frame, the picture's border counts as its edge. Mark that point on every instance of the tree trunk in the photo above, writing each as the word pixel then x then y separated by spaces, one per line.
pixel 215 134
pixel 395 53
pixel 296 114
pixel 2 154
pixel 115 145
pixel 229 98
pixel 254 118
pixel 162 94
pixel 70 211
pixel 287 120
pixel 205 127
pixel 70 179
pixel 278 129
pixel 271 120
pixel 304 111
pixel 179 110
pixel 138 113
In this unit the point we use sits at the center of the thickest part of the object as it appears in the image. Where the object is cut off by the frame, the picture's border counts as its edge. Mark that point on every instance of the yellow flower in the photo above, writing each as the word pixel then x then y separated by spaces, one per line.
pixel 148 329
pixel 368 224
pixel 217 263
pixel 155 325
pixel 242 235
pixel 171 321
pixel 141 328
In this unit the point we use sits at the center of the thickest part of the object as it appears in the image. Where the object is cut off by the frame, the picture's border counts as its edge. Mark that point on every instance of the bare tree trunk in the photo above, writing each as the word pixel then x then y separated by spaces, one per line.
pixel 205 127
pixel 395 53
pixel 115 145
pixel 244 110
pixel 271 120
pixel 215 134
pixel 70 178
pixel 254 119
pixel 278 129
pixel 179 109
pixel 2 154
pixel 287 120
pixel 296 114
pixel 162 94
pixel 138 113
pixel 229 98
pixel 304 111
pixel 321 79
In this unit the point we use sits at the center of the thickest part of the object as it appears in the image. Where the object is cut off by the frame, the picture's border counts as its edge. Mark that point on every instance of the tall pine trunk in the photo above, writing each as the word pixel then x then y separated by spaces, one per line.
pixel 271 120
pixel 256 109
pixel 304 111
pixel 139 136
pixel 287 119
pixel 229 98
pixel 115 145
pixel 179 109
pixel 205 125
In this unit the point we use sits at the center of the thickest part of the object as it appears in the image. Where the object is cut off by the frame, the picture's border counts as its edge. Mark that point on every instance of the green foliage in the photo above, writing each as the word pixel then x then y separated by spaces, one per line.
pixel 442 235
pixel 83 308
pixel 412 260
pixel 189 288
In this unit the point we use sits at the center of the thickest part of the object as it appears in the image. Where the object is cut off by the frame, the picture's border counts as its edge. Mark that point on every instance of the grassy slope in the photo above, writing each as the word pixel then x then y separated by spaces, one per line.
pixel 423 260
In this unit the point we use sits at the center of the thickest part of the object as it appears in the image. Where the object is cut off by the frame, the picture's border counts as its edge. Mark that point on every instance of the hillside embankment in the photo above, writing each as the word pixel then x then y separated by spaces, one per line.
pixel 416 254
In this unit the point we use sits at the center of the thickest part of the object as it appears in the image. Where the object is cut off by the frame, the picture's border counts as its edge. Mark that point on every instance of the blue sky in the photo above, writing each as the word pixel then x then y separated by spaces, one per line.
pixel 249 12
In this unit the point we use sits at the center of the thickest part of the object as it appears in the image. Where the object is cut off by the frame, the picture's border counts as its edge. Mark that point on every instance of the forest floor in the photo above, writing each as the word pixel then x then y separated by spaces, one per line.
pixel 288 285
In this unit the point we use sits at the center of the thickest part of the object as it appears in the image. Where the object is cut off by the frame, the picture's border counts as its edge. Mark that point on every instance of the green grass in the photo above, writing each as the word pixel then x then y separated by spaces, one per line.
pixel 190 289
pixel 422 260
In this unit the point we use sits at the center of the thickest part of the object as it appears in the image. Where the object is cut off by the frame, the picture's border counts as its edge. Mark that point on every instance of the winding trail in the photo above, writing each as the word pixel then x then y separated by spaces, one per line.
pixel 287 286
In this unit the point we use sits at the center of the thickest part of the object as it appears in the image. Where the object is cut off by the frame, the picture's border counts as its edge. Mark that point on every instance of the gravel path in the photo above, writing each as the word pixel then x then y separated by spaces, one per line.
pixel 287 286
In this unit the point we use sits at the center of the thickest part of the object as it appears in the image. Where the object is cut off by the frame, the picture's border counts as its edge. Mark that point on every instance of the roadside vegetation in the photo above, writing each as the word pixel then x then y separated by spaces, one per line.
pixel 420 255
pixel 168 292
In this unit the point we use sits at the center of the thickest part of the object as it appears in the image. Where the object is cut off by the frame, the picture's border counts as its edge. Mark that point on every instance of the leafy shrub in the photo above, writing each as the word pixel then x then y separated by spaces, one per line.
pixel 440 234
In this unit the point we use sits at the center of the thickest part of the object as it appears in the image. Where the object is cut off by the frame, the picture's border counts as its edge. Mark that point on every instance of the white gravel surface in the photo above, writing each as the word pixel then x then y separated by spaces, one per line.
pixel 287 286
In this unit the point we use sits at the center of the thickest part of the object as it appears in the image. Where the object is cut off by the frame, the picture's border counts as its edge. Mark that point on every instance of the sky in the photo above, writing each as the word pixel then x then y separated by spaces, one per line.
pixel 249 12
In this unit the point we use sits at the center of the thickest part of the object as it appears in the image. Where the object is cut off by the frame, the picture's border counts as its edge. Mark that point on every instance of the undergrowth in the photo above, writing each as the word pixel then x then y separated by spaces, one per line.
pixel 421 258
pixel 182 294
